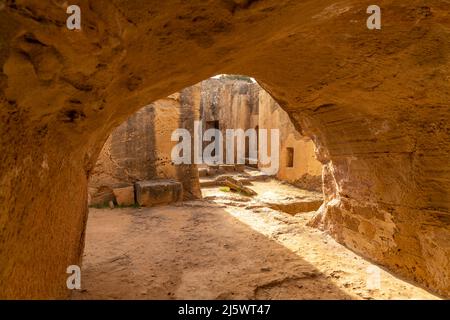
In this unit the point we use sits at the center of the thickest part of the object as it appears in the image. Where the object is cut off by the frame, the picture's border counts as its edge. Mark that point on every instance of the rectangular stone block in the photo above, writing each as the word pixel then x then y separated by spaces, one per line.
pixel 124 196
pixel 203 172
pixel 158 192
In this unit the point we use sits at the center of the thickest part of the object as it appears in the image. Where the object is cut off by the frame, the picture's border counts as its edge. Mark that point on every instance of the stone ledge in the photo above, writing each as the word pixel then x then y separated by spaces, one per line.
pixel 158 192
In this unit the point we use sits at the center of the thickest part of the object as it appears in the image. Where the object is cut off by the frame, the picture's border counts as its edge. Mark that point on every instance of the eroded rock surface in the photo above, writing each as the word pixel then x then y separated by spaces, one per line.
pixel 374 102
pixel 140 148
pixel 124 196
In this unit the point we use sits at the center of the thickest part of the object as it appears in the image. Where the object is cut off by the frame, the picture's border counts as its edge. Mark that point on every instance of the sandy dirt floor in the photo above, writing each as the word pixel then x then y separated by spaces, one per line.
pixel 227 247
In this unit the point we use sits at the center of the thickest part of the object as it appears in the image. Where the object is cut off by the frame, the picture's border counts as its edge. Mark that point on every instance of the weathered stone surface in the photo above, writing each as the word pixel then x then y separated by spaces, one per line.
pixel 203 172
pixel 158 192
pixel 294 206
pixel 375 103
pixel 242 104
pixel 209 171
pixel 140 148
pixel 234 185
pixel 124 196
pixel 228 167
pixel 308 182
pixel 100 196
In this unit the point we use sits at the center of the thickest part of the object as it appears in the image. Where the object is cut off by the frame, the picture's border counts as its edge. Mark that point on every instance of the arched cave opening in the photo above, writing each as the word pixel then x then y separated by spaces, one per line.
pixel 158 229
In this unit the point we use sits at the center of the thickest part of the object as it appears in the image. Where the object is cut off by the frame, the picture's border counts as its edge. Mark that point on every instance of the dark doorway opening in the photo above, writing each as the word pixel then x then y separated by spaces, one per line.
pixel 213 124
pixel 289 157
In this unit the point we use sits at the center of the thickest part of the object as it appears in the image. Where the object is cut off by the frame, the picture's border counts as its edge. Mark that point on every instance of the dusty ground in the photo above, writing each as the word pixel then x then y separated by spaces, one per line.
pixel 228 247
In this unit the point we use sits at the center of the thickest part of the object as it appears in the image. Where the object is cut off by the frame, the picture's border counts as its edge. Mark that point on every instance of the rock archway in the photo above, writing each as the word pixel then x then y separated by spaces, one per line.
pixel 374 101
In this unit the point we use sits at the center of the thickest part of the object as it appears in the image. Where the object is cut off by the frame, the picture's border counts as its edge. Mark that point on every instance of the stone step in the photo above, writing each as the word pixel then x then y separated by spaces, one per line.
pixel 158 192
pixel 212 170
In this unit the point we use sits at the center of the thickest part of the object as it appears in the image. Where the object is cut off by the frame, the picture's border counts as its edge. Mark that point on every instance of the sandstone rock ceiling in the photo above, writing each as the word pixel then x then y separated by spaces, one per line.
pixel 374 101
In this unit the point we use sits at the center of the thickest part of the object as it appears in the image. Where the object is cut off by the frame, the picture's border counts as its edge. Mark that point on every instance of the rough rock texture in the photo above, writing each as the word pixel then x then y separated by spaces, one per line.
pixel 158 192
pixel 232 103
pixel 140 148
pixel 304 171
pixel 235 185
pixel 243 104
pixel 294 206
pixel 230 266
pixel 375 102
pixel 309 182
pixel 124 196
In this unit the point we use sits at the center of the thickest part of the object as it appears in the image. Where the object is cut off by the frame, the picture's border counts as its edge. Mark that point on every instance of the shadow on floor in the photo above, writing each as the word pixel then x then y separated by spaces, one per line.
pixel 194 251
